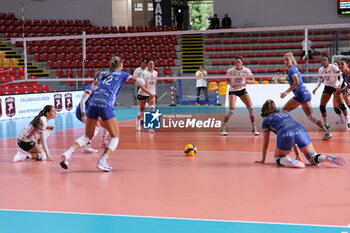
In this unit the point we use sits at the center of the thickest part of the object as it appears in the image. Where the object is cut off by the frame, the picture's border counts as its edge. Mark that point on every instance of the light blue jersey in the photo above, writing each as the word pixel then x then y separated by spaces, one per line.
pixel 288 130
pixel 108 89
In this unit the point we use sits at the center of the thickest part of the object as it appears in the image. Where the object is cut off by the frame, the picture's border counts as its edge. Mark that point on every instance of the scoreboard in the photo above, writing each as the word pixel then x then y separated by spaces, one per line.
pixel 344 7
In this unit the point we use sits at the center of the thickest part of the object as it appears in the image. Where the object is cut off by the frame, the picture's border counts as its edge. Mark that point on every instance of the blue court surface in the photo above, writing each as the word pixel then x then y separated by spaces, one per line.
pixel 13 221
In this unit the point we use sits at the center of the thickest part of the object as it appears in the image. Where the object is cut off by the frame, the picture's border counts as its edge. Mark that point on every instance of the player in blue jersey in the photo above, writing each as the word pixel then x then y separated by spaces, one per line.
pixel 289 134
pixel 302 95
pixel 109 83
pixel 345 87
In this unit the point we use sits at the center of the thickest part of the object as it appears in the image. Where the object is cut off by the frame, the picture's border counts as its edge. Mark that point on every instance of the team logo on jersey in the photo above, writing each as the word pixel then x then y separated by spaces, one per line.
pixel 0 107
pixel 58 102
pixel 68 101
pixel 152 120
pixel 10 106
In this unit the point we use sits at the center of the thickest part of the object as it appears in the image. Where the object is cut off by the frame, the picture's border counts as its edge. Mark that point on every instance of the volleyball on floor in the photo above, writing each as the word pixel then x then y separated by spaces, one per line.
pixel 190 150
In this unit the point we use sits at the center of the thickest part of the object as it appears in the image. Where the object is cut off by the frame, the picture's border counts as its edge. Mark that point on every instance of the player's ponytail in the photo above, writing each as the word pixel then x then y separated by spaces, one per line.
pixel 115 63
pixel 36 121
pixel 268 108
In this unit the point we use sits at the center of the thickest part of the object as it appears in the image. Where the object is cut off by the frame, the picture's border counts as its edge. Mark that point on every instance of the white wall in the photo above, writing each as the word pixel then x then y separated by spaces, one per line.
pixel 122 12
pixel 98 11
pixel 252 13
pixel 260 93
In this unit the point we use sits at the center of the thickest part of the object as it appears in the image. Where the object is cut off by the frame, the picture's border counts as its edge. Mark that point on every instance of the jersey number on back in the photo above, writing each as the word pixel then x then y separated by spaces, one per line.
pixel 107 80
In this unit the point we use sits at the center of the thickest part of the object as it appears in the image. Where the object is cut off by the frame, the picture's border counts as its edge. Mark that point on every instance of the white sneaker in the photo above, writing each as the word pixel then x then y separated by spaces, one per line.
pixel 87 149
pixel 336 159
pixel 293 163
pixel 103 165
pixel 223 131
pixel 19 157
pixel 138 125
pixel 340 122
pixel 255 132
pixel 65 159
pixel 327 136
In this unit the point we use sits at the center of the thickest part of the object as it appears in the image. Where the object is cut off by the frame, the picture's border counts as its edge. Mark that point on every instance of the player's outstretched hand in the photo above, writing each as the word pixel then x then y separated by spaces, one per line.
pixel 259 161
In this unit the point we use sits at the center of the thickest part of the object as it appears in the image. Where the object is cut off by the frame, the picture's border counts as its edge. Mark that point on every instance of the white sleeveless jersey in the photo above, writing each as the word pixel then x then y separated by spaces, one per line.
pixel 29 133
pixel 138 71
pixel 239 82
pixel 150 82
pixel 331 81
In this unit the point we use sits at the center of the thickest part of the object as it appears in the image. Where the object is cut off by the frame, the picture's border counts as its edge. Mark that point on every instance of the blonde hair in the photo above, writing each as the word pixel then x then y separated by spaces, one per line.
pixel 268 108
pixel 291 56
pixel 114 64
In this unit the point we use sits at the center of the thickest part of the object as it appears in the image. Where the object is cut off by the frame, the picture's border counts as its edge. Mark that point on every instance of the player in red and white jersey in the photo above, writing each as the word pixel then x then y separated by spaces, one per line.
pixel 237 80
pixel 34 134
pixel 331 83
pixel 147 93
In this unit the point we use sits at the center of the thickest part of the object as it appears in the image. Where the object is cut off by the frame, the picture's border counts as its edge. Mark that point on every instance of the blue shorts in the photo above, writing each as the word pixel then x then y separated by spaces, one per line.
pixel 78 113
pixel 303 96
pixel 287 139
pixel 94 112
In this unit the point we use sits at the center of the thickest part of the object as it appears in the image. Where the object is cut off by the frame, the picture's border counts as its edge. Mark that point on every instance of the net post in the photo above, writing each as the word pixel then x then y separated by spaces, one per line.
pixel 217 98
pixel 84 54
pixel 172 96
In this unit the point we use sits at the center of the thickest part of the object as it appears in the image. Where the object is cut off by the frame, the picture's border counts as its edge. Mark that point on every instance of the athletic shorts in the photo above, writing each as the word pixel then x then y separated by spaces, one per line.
pixel 78 112
pixel 142 97
pixel 26 146
pixel 329 90
pixel 286 140
pixel 238 93
pixel 94 112
pixel 302 96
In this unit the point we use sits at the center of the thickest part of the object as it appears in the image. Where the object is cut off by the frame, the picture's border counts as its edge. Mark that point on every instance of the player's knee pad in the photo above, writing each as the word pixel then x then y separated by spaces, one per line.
pixel 230 113
pixel 83 140
pixel 342 107
pixel 251 111
pixel 113 143
pixel 277 160
pixel 42 156
pixel 337 111
pixel 96 131
pixel 312 157
pixel 313 118
pixel 152 108
pixel 322 108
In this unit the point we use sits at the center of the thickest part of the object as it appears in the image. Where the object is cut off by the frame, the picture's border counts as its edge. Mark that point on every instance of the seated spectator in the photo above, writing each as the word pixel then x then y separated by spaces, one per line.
pixel 226 22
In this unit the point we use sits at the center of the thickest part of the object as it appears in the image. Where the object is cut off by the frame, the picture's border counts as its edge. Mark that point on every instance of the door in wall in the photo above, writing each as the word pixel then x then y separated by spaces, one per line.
pixel 142 12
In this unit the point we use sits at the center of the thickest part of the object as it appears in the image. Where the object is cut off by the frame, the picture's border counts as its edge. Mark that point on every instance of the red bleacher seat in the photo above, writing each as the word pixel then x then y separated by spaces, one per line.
pixel 44 88
pixel 7 90
pixel 167 71
pixel 26 89
pixel 35 89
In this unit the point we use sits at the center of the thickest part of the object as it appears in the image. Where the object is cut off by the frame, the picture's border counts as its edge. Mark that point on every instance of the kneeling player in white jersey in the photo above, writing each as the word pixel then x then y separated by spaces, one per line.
pixel 237 80
pixel 331 84
pixel 34 134
pixel 146 93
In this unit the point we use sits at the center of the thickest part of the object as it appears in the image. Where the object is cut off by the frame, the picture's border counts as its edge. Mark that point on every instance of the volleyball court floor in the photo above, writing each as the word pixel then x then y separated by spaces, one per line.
pixel 155 188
